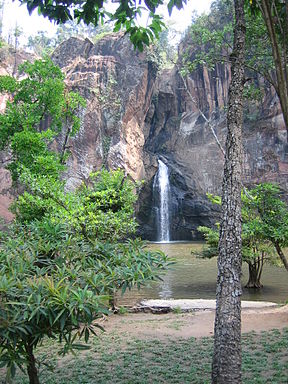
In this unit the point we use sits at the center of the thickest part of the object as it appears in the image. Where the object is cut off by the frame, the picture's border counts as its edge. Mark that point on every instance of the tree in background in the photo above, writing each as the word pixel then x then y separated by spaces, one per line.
pixel 266 45
pixel 69 29
pixel 40 107
pixel 257 247
pixel 274 14
pixel 271 217
pixel 41 44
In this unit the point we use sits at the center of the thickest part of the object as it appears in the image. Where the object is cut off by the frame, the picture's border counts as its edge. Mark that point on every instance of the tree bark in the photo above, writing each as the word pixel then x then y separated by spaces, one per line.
pixel 226 366
pixel 31 366
pixel 255 272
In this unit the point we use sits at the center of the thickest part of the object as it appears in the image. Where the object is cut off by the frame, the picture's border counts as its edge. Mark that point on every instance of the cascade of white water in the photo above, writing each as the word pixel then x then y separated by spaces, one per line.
pixel 164 194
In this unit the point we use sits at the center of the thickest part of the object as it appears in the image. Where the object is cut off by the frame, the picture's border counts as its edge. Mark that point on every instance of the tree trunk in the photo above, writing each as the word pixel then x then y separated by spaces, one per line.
pixel 31 366
pixel 226 366
pixel 281 254
pixel 255 272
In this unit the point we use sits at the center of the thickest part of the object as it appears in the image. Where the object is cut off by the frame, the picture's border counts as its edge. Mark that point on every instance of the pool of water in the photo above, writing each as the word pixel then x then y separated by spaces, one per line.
pixel 194 278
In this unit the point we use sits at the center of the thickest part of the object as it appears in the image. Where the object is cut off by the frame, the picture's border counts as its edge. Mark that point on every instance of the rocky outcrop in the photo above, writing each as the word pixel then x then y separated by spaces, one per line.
pixel 117 83
pixel 133 117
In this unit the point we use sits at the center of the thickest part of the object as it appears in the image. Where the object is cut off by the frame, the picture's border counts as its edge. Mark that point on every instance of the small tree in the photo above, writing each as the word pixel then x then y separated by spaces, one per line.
pixel 41 44
pixel 258 244
pixel 271 217
pixel 255 253
pixel 40 107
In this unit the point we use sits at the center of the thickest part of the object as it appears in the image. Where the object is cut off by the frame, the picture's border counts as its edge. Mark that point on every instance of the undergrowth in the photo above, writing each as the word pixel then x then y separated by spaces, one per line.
pixel 121 359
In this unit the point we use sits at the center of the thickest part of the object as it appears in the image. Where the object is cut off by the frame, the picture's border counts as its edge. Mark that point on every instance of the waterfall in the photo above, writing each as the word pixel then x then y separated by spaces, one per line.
pixel 161 185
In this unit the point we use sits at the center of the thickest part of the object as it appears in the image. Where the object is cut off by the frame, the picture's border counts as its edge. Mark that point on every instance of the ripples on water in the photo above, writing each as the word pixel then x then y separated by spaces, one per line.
pixel 194 278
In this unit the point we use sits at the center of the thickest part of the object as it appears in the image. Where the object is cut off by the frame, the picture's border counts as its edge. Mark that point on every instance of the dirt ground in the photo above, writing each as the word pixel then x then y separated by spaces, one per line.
pixel 192 324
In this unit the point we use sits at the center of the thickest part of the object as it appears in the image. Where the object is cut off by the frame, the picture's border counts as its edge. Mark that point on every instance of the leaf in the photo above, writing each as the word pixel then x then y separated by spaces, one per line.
pixel 81 347
pixel 170 6
pixel 86 335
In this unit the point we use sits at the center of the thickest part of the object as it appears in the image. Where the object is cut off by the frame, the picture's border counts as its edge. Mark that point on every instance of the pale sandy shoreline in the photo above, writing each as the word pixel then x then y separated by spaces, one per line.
pixel 201 304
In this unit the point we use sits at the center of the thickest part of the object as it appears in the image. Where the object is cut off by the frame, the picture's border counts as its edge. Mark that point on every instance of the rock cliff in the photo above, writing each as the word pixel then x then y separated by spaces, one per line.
pixel 135 116
pixel 117 83
pixel 184 141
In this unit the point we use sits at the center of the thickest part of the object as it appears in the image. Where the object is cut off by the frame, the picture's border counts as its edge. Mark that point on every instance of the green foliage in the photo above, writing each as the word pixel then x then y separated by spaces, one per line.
pixel 96 13
pixel 41 301
pixel 103 208
pixel 253 93
pixel 66 255
pixel 61 264
pixel 106 206
pixel 212 239
pixel 278 13
pixel 53 284
pixel 41 44
pixel 209 43
pixel 209 38
pixel 39 99
pixel 269 218
pixel 30 149
pixel 122 310
pixel 57 273
pixel 264 223
pixel 161 54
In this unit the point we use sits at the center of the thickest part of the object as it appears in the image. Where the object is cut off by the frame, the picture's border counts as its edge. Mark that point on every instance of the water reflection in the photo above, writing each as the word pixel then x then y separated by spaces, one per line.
pixel 165 286
pixel 194 278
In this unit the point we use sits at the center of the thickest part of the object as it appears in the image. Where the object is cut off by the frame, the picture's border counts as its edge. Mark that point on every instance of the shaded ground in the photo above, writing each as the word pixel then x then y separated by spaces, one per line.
pixel 170 349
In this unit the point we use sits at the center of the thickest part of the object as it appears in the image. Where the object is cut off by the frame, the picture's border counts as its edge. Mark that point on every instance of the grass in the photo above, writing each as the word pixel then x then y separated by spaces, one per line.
pixel 121 359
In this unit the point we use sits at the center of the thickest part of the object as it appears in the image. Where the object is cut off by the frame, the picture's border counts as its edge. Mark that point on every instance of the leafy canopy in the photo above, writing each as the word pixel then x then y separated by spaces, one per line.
pixel 102 208
pixel 97 12
pixel 265 223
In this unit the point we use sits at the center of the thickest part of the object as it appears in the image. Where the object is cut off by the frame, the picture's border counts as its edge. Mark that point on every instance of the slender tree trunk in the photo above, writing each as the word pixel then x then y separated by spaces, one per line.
pixel 65 142
pixel 281 254
pixel 31 366
pixel 226 366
